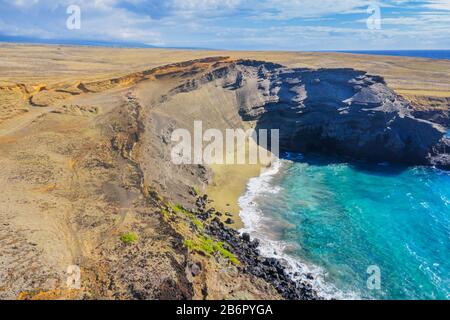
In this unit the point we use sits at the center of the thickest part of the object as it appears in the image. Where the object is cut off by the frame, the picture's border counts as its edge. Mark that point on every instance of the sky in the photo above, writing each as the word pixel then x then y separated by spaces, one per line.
pixel 299 25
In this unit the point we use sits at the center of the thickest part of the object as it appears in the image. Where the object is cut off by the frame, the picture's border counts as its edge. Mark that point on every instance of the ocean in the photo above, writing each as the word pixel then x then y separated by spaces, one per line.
pixel 430 54
pixel 338 220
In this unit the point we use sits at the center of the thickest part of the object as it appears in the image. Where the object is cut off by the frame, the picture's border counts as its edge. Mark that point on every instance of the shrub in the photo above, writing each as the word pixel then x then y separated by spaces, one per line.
pixel 129 238
pixel 180 210
pixel 208 247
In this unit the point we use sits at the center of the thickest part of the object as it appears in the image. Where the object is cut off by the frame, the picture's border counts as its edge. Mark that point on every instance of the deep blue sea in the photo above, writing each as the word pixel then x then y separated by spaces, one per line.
pixel 335 220
pixel 431 54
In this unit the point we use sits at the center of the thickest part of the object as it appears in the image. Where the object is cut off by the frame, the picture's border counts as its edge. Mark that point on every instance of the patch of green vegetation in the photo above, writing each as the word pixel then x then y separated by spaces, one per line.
pixel 226 254
pixel 197 223
pixel 181 210
pixel 129 238
pixel 208 247
pixel 202 243
pixel 165 213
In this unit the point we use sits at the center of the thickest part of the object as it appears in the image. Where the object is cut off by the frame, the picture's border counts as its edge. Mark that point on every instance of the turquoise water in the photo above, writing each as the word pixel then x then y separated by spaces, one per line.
pixel 344 218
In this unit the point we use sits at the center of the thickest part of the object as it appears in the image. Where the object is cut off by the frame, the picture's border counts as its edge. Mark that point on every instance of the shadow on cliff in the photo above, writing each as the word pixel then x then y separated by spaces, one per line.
pixel 341 114
pixel 319 160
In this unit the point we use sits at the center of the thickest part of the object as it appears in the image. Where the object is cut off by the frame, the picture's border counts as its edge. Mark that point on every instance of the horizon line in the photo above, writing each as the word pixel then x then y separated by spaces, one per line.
pixel 138 45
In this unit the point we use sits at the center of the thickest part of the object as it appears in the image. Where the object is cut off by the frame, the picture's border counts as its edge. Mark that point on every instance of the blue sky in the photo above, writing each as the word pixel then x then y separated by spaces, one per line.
pixel 236 24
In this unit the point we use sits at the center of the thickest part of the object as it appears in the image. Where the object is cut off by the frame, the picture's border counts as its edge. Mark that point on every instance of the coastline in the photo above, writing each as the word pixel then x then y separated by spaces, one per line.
pixel 228 186
pixel 271 246
pixel 251 181
pixel 261 224
pixel 230 183
pixel 231 193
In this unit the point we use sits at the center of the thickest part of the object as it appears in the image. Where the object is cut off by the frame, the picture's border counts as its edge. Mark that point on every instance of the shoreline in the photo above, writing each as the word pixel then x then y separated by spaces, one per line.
pixel 262 256
pixel 229 184
pixel 250 180
pixel 270 245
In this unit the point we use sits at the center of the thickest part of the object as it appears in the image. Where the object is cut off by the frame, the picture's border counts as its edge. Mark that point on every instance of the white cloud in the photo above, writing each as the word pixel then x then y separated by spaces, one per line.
pixel 283 9
pixel 438 4
pixel 25 3
pixel 260 24
pixel 201 5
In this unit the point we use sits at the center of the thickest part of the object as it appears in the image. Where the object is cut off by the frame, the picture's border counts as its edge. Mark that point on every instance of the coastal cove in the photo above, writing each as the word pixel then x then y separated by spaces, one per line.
pixel 335 219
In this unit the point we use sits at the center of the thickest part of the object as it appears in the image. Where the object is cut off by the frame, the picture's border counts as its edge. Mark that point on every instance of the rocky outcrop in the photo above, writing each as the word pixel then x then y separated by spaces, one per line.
pixel 270 269
pixel 340 112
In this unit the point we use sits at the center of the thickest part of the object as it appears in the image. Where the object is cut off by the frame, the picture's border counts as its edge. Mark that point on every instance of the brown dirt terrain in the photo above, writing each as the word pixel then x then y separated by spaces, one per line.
pixel 81 173
pixel 31 69
pixel 85 158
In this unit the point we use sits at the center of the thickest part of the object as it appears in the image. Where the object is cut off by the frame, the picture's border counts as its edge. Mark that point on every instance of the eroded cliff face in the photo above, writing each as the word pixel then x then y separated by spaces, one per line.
pixel 340 112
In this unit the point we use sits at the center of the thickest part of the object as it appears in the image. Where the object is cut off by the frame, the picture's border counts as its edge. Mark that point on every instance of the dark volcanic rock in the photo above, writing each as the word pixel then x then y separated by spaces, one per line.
pixel 229 221
pixel 195 268
pixel 340 112
pixel 246 237
pixel 269 269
